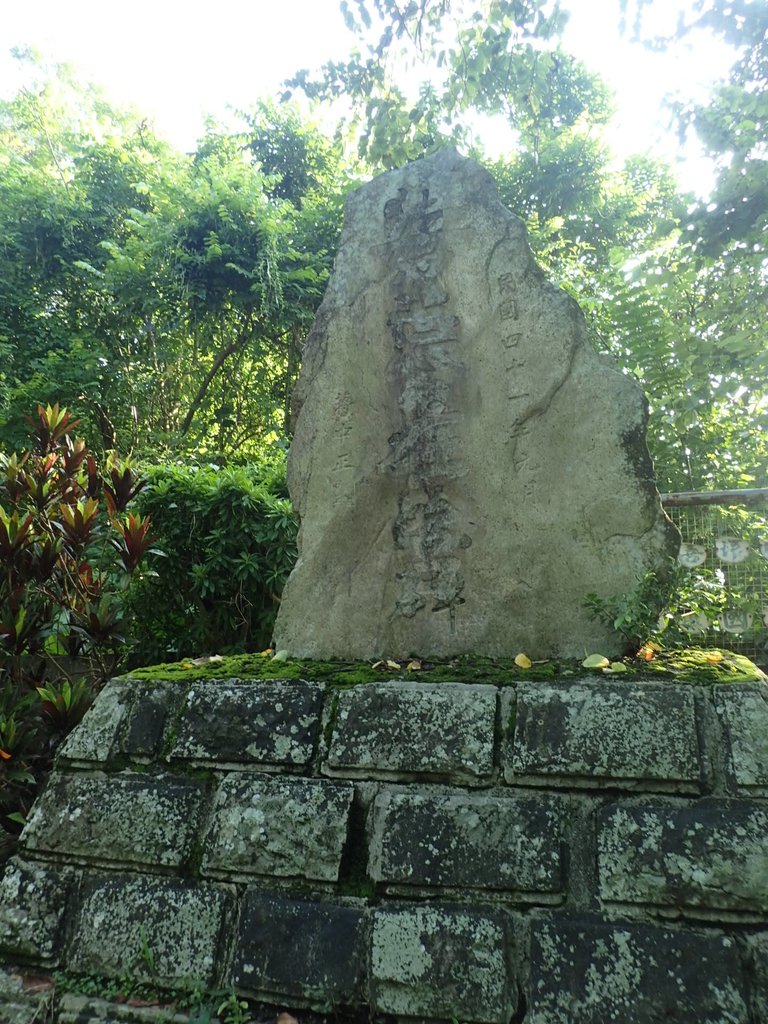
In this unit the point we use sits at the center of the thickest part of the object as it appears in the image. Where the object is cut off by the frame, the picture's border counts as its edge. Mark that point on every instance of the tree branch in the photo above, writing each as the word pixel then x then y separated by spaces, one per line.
pixel 218 362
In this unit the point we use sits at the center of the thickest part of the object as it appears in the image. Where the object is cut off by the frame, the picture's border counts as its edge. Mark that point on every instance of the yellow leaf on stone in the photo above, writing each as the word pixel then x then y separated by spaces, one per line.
pixel 523 661
pixel 393 666
pixel 713 657
pixel 378 665
pixel 596 661
pixel 269 651
pixel 414 666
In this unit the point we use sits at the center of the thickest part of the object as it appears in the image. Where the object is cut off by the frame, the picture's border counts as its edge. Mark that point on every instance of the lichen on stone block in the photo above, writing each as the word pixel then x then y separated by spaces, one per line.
pixel 278 827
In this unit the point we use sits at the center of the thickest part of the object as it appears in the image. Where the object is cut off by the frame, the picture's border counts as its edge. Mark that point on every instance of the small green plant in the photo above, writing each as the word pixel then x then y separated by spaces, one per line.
pixel 233 1010
pixel 638 615
pixel 64 703
pixel 692 605
pixel 204 1006
pixel 146 954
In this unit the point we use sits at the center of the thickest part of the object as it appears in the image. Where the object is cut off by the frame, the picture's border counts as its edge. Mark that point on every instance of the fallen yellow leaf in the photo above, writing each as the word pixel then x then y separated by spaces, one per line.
pixel 596 661
pixel 5 755
pixel 378 665
pixel 713 657
pixel 523 661
pixel 414 666
pixel 618 666
pixel 393 666
pixel 268 653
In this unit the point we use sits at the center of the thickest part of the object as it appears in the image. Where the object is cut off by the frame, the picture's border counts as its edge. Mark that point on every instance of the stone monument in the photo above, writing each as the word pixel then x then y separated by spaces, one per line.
pixel 465 466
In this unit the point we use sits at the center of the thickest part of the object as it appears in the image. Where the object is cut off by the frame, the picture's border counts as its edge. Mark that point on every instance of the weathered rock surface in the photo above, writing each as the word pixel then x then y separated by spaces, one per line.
pixel 465 466
pixel 425 729
pixel 744 716
pixel 585 973
pixel 311 951
pixel 586 733
pixel 709 856
pixel 20 1007
pixel 33 902
pixel 414 955
pixel 132 817
pixel 458 841
pixel 282 827
pixel 234 721
pixel 154 928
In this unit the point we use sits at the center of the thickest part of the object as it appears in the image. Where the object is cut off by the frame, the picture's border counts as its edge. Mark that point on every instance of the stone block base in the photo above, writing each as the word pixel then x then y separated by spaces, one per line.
pixel 542 853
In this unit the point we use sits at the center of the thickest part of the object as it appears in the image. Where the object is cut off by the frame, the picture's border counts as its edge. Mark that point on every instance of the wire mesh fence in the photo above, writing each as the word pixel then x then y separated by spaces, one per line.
pixel 724 553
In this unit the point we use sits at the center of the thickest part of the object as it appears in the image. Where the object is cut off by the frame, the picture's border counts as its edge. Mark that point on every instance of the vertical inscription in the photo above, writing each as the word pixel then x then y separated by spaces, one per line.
pixel 508 304
pixel 428 370
pixel 526 469
pixel 343 467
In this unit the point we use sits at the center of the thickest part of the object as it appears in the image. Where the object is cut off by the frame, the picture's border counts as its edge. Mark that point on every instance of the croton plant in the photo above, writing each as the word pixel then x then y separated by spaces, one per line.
pixel 68 545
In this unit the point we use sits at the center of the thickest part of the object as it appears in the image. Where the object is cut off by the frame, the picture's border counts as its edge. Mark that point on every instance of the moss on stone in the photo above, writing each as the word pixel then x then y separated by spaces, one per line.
pixel 699 665
pixel 692 665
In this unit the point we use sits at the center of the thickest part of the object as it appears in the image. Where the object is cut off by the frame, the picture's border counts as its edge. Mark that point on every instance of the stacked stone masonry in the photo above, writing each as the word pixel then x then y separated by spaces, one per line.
pixel 540 853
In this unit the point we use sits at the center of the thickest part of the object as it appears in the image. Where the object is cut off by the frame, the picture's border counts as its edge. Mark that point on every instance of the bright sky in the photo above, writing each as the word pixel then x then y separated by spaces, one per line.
pixel 176 61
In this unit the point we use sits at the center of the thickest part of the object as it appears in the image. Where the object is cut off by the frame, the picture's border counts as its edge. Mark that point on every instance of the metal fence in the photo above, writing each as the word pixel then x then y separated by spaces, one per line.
pixel 725 554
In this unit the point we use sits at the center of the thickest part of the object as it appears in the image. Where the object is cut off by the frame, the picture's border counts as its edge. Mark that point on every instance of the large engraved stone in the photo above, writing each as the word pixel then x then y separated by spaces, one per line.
pixel 466 468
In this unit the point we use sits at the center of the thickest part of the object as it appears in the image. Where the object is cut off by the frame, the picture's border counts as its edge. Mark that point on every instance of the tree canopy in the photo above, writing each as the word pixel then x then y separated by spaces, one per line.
pixel 165 296
pixel 719 284
pixel 138 283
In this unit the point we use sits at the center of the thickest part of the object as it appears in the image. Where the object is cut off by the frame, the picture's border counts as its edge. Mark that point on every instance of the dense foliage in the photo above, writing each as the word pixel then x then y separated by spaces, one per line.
pixel 162 296
pixel 165 296
pixel 709 289
pixel 229 540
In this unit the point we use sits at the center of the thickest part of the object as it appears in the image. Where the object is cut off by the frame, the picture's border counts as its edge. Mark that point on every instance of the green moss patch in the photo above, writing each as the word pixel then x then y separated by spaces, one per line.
pixel 697 665
pixel 692 665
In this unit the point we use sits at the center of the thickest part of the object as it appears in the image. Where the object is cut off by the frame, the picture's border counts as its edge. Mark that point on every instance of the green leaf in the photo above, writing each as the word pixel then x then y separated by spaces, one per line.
pixel 88 267
pixel 54 644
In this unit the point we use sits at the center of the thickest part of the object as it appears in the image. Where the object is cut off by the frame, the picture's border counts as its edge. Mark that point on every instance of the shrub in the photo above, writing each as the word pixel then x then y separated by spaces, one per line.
pixel 67 548
pixel 230 540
